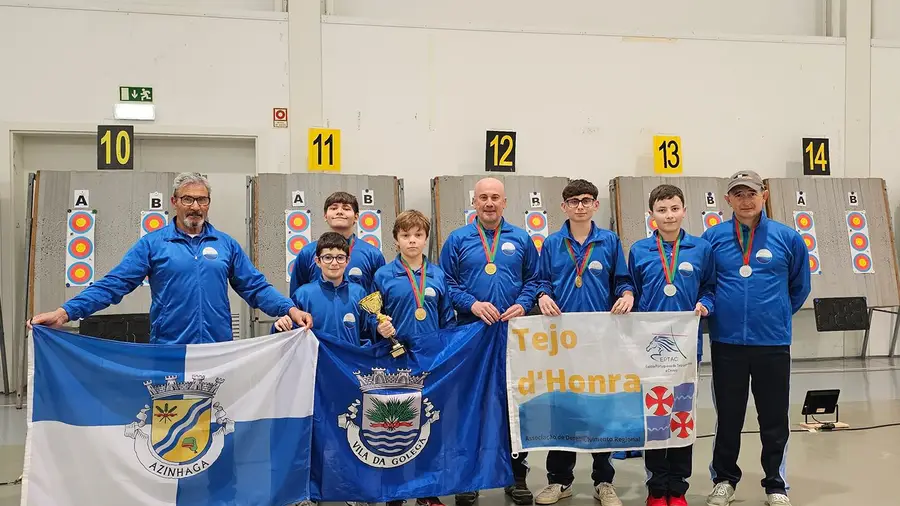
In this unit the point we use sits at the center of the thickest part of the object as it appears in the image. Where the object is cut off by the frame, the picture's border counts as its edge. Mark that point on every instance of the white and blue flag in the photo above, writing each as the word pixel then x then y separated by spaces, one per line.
pixel 113 423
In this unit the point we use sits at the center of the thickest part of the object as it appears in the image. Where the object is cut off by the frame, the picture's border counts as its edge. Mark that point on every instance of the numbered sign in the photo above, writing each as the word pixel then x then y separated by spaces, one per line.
pixel 816 158
pixel 500 152
pixel 115 147
pixel 324 150
pixel 667 154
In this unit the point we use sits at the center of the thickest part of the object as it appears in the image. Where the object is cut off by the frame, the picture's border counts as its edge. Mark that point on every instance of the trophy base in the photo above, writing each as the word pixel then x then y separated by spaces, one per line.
pixel 397 350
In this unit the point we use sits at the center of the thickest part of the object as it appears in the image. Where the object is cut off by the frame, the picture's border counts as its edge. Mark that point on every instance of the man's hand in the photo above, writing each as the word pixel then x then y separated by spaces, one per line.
pixel 513 311
pixel 301 318
pixel 486 311
pixel 548 306
pixel 386 328
pixel 701 310
pixel 284 324
pixel 624 304
pixel 56 318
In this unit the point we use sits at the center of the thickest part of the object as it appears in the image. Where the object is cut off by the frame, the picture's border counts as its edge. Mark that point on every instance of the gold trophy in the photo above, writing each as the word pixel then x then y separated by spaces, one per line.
pixel 372 304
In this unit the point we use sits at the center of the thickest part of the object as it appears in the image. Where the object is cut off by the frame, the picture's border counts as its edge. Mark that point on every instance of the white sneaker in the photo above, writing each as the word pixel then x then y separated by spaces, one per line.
pixel 606 494
pixel 777 500
pixel 722 495
pixel 552 493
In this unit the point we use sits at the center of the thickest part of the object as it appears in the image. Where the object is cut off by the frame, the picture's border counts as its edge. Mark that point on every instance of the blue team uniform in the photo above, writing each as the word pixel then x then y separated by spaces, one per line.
pixel 189 280
pixel 695 276
pixel 365 259
pixel 335 310
pixel 605 275
pixel 400 302
pixel 517 280
pixel 758 310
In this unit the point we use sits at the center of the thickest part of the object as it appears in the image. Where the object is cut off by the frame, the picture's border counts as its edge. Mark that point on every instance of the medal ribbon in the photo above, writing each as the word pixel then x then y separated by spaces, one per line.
pixel 745 248
pixel 491 252
pixel 587 255
pixel 669 270
pixel 351 242
pixel 418 291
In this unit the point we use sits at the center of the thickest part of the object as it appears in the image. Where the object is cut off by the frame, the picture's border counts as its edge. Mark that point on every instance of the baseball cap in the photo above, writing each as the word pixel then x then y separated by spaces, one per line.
pixel 746 178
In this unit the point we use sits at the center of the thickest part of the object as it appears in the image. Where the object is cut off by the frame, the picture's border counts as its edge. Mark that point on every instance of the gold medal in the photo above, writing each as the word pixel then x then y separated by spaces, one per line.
pixel 490 269
pixel 421 314
pixel 578 282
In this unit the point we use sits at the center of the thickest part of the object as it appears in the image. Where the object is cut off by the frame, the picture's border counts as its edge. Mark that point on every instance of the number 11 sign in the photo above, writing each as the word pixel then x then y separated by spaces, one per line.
pixel 323 150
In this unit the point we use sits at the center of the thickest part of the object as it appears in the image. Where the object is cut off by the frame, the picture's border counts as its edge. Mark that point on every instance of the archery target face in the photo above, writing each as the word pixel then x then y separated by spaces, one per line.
pixel 369 221
pixel 297 222
pixel 856 221
pixel 81 222
pixel 79 274
pixel 80 247
pixel 711 219
pixel 297 228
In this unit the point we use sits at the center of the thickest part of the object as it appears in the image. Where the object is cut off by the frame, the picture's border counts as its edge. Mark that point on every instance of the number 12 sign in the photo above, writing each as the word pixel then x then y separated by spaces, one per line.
pixel 667 154
pixel 500 152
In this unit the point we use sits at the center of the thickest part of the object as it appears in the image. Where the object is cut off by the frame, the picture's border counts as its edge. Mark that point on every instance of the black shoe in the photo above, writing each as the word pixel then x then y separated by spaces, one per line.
pixel 519 493
pixel 429 501
pixel 466 498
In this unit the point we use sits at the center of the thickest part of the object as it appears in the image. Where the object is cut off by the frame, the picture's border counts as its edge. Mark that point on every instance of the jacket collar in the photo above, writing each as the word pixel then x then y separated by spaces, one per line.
pixel 687 240
pixel 399 271
pixel 328 286
pixel 593 235
pixel 504 226
pixel 174 233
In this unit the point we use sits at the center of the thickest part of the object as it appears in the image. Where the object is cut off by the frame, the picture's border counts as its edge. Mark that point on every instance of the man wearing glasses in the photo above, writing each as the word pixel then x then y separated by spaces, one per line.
pixel 583 269
pixel 190 265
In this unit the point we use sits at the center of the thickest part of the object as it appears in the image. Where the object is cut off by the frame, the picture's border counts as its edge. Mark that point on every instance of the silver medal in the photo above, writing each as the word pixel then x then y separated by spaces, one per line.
pixel 746 271
pixel 670 290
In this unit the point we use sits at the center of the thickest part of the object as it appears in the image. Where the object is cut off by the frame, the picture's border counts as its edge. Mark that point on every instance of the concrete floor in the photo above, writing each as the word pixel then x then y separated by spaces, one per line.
pixel 824 469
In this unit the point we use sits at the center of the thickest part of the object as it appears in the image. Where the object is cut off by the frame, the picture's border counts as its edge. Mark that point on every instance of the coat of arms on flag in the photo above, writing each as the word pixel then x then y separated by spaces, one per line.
pixel 669 412
pixel 393 428
pixel 186 429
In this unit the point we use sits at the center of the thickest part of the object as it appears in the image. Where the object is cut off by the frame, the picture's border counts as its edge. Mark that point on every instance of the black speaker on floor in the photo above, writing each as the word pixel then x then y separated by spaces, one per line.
pixel 130 328
pixel 838 314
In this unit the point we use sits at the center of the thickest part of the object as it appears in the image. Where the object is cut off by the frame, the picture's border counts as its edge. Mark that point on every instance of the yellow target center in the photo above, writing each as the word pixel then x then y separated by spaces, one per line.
pixel 79 273
pixel 80 222
pixel 80 247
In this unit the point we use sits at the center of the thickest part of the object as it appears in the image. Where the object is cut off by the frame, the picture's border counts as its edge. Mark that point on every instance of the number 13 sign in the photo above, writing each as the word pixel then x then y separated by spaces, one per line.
pixel 667 154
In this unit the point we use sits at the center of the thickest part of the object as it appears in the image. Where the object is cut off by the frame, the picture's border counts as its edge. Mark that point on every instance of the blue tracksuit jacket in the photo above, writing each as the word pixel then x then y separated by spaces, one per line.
pixel 400 302
pixel 365 259
pixel 758 310
pixel 517 280
pixel 335 310
pixel 189 280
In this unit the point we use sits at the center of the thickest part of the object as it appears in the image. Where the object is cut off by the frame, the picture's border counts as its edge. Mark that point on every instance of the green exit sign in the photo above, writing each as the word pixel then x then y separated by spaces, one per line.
pixel 135 94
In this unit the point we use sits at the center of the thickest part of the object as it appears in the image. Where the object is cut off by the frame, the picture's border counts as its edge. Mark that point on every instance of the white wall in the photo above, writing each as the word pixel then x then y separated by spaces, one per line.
pixel 211 76
pixel 660 17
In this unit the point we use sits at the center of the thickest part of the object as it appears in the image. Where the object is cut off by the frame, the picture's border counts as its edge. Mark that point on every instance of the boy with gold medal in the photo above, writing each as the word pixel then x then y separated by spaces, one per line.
pixel 584 270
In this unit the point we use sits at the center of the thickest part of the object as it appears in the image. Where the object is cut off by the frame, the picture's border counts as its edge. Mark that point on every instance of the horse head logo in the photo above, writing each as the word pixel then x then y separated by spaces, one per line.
pixel 662 346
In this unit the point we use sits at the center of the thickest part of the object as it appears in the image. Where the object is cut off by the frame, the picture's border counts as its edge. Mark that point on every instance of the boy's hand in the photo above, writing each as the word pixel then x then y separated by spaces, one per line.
pixel 486 311
pixel 514 311
pixel 386 328
pixel 548 306
pixel 284 324
pixel 701 310
pixel 624 304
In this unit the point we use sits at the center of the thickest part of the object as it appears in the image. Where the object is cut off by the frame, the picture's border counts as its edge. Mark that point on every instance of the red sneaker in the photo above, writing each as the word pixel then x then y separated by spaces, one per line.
pixel 677 501
pixel 656 501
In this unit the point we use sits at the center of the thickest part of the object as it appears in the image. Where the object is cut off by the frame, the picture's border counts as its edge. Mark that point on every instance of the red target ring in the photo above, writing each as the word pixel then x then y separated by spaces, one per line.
pixel 813 263
pixel 295 243
pixel 804 221
pixel 79 273
pixel 810 241
pixel 369 221
pixel 371 239
pixel 81 222
pixel 80 248
pixel 470 219
pixel 536 221
pixel 859 241
pixel 538 241
pixel 856 220
pixel 297 221
pixel 712 219
pixel 651 223
pixel 862 262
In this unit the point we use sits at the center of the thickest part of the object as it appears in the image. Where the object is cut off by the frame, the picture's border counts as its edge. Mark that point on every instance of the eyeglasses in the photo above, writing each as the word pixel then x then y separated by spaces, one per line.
pixel 189 200
pixel 586 202
pixel 341 259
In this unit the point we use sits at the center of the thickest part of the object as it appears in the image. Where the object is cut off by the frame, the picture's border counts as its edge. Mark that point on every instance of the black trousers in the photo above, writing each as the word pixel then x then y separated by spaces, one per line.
pixel 560 467
pixel 668 470
pixel 766 371
pixel 520 466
